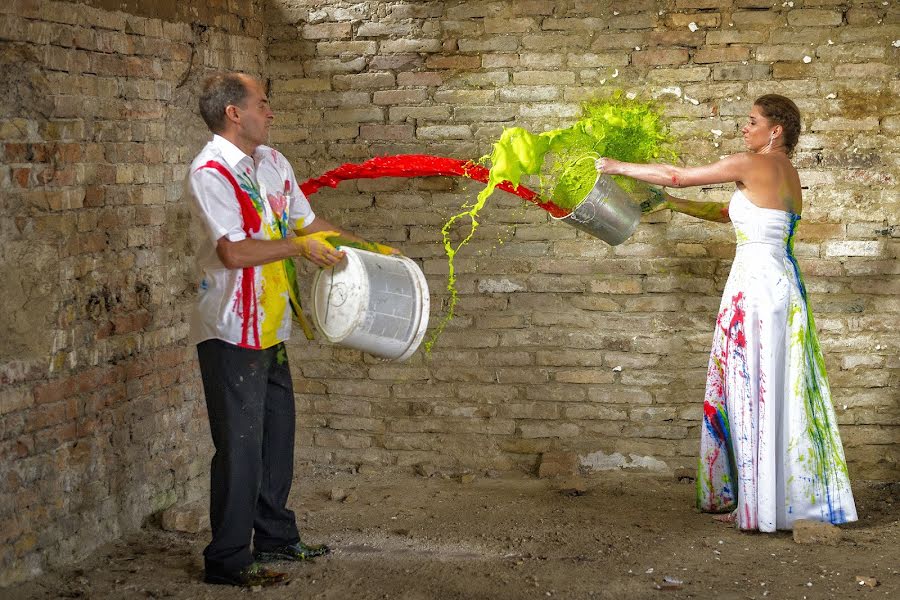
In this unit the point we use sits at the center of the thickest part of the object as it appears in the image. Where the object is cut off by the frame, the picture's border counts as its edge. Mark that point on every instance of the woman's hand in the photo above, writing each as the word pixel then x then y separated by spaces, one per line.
pixel 656 200
pixel 316 249
pixel 608 166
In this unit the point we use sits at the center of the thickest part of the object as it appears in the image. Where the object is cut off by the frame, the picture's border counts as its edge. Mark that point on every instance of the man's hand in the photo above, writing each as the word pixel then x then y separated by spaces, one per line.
pixel 316 248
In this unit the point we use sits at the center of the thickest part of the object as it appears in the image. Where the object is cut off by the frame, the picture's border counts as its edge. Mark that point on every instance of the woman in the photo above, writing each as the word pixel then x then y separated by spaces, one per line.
pixel 770 451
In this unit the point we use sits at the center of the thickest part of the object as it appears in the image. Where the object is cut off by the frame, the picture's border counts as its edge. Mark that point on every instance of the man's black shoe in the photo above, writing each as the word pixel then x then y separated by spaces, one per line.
pixel 251 576
pixel 298 552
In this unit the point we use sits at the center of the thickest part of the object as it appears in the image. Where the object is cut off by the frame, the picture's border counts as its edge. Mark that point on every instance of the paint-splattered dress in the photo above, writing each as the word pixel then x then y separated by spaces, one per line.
pixel 770 446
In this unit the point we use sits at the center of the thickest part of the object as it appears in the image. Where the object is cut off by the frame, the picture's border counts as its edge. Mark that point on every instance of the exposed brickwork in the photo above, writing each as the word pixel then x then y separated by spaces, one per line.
pixel 102 421
pixel 562 343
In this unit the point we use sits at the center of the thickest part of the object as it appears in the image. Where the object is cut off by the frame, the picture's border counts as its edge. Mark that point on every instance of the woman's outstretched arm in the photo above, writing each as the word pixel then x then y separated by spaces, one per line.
pixel 708 211
pixel 732 168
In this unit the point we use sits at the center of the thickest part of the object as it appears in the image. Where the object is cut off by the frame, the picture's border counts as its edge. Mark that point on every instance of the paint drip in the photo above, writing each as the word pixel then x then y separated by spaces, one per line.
pixel 618 127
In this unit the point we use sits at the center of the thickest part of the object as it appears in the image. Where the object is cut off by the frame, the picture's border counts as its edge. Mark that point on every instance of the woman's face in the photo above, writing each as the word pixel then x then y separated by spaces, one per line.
pixel 758 130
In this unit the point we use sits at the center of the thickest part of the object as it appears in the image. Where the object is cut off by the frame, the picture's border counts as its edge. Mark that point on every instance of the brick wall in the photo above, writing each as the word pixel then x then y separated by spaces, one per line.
pixel 101 416
pixel 563 343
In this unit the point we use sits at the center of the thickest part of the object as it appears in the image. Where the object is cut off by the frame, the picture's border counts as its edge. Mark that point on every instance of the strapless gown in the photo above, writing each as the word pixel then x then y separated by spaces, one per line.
pixel 770 446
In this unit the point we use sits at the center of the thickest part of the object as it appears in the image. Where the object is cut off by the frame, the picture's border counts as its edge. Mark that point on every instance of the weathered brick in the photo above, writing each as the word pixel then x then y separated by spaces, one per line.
pixel 535 93
pixel 444 132
pixel 427 113
pixel 720 55
pixel 854 248
pixel 410 45
pixel 483 114
pixel 679 75
pixel 607 59
pixel 392 97
pixel 786 52
pixel 354 115
pixel 351 48
pixel 594 412
pixel 642 20
pixel 543 78
pixel 548 430
pixel 814 18
pixel 668 56
pixel 324 31
pixel 735 36
pixel 334 65
pixel 530 410
pixel 868 71
pixel 420 79
pixel 557 334
pixel 387 132
pixel 684 20
pixel 364 81
pixel 453 62
pixel 845 124
pixel 374 29
pixel 740 72
pixel 757 18
pixel 506 25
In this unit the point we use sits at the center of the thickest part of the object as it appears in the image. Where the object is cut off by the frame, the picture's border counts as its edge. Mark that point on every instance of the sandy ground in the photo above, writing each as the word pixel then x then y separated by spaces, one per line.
pixel 400 536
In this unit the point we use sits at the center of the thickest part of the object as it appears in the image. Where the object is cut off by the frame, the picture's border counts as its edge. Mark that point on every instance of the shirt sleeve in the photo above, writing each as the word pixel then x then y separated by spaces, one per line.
pixel 300 213
pixel 214 201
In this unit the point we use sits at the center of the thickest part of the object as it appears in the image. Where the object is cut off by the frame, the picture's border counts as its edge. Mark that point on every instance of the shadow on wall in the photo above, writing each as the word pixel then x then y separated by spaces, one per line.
pixel 26 302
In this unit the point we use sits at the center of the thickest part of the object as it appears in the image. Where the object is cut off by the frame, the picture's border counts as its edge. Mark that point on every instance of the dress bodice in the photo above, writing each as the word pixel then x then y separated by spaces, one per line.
pixel 754 224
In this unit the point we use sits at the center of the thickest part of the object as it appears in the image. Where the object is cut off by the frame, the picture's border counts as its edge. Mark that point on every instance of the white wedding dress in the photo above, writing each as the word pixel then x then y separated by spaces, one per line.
pixel 770 448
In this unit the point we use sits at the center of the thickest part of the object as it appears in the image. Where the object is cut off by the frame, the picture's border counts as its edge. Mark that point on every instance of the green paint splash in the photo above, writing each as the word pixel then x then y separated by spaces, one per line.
pixel 826 454
pixel 619 127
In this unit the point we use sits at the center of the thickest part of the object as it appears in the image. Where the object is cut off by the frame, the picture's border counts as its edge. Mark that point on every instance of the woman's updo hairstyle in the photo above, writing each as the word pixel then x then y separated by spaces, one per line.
pixel 782 111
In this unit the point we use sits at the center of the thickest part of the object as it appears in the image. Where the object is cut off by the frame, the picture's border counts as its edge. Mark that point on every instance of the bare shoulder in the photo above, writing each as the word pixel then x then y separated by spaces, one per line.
pixel 763 165
pixel 742 161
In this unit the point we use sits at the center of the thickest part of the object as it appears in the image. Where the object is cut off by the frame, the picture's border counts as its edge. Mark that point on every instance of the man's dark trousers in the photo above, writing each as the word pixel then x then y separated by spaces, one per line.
pixel 250 402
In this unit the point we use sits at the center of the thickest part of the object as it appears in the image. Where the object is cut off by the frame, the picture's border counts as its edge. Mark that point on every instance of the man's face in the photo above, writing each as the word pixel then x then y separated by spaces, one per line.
pixel 255 117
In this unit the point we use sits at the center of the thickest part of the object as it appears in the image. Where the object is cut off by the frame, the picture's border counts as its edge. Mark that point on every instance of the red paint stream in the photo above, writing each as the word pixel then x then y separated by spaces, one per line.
pixel 422 165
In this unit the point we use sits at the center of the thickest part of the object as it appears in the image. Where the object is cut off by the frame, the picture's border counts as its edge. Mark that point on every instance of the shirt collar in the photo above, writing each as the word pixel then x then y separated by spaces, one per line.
pixel 231 153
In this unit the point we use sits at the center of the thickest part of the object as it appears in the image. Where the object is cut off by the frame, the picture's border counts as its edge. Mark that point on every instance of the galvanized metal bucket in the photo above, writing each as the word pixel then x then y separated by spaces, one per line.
pixel 607 212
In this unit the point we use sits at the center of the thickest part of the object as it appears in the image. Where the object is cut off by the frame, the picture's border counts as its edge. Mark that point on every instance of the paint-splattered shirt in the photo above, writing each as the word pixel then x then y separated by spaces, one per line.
pixel 237 197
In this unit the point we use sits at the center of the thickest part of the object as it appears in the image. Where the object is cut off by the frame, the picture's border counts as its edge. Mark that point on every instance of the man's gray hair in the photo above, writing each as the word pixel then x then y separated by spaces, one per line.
pixel 220 91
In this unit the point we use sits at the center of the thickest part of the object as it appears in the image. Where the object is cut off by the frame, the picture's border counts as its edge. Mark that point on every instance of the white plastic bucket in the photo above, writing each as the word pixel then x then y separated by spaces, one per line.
pixel 372 302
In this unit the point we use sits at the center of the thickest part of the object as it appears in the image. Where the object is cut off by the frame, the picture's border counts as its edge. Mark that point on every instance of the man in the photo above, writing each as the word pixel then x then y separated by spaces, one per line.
pixel 246 195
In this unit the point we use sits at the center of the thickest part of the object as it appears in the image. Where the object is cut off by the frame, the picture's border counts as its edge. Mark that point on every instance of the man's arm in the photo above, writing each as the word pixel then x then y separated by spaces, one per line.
pixel 250 253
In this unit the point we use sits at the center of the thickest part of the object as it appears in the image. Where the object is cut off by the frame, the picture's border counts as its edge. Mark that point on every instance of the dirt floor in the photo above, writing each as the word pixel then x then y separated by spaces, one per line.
pixel 623 536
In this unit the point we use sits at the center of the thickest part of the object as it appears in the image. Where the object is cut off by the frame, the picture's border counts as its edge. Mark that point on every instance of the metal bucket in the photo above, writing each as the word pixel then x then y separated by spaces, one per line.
pixel 607 212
